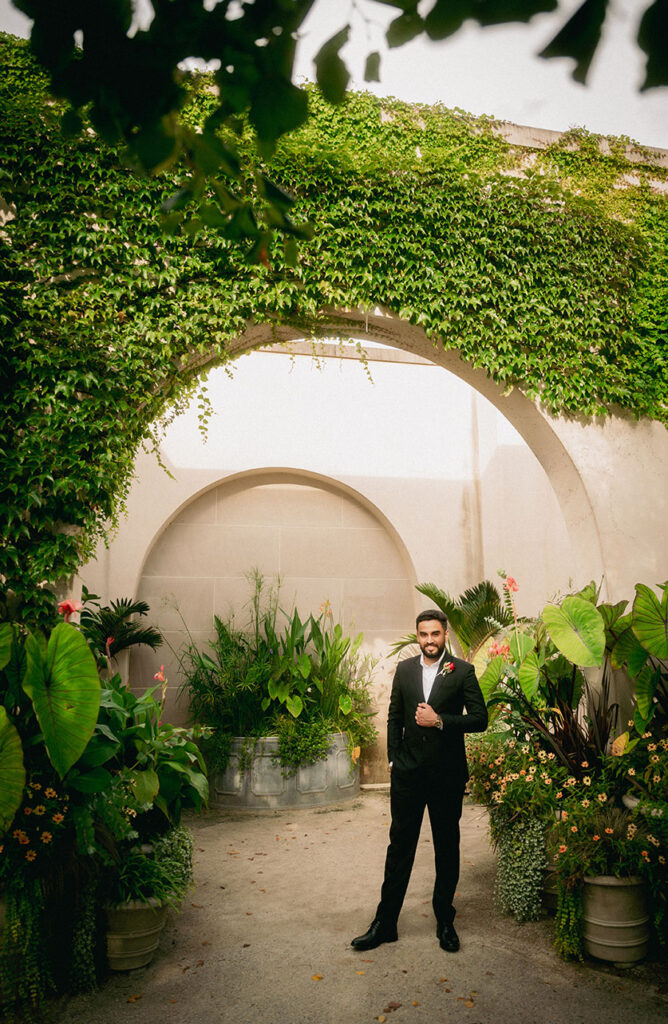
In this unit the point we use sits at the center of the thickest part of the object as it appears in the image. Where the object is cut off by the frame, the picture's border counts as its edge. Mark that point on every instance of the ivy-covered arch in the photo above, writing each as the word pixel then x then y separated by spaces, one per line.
pixel 545 271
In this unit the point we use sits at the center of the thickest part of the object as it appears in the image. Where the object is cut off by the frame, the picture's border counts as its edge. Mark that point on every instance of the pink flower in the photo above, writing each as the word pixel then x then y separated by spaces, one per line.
pixel 160 676
pixel 68 608
pixel 511 584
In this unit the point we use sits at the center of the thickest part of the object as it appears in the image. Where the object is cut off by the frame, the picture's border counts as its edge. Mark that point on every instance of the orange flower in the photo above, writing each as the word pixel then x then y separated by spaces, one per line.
pixel 562 848
pixel 596 838
pixel 58 818
pixel 35 785
pixel 609 831
pixel 574 828
pixel 27 810
pixel 31 855
pixel 50 793
pixel 46 837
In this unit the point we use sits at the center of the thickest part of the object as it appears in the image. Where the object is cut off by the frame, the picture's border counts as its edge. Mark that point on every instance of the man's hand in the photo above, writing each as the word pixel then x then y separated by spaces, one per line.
pixel 425 715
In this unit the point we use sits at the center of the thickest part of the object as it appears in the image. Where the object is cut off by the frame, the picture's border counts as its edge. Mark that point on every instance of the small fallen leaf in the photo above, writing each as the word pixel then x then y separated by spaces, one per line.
pixel 249 913
pixel 245 945
pixel 391 1006
pixel 360 972
pixel 316 977
pixel 200 963
pixel 381 1019
pixel 173 1000
pixel 197 906
pixel 205 942
pixel 133 999
pixel 415 1003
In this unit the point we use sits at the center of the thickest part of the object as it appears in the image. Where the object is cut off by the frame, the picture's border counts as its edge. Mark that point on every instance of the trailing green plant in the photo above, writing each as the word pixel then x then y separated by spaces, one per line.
pixel 84 950
pixel 520 869
pixel 542 284
pixel 26 980
pixel 301 742
pixel 569 920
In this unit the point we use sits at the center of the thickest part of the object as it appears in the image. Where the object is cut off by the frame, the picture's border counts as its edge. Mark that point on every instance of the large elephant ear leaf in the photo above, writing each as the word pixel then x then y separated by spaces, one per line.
pixel 61 680
pixel 12 771
pixel 650 619
pixel 6 638
pixel 577 629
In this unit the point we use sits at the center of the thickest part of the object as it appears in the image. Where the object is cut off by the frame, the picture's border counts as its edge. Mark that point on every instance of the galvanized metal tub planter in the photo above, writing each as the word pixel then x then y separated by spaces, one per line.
pixel 133 933
pixel 254 780
pixel 616 922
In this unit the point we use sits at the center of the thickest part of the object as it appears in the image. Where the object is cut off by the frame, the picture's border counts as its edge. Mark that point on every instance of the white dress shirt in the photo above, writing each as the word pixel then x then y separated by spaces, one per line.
pixel 429 673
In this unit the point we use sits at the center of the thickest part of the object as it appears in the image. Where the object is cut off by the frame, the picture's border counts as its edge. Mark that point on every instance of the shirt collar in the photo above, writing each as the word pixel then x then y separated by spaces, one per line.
pixel 436 666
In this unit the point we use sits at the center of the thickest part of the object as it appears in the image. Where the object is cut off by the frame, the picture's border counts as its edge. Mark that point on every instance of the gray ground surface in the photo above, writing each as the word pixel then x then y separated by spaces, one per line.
pixel 264 939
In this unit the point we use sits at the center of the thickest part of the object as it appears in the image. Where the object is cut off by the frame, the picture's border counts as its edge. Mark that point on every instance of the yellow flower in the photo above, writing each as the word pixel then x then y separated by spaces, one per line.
pixel 602 797
pixel 57 818
pixel 50 793
pixel 40 809
pixel 35 785
pixel 585 804
pixel 46 837
pixel 587 780
pixel 31 855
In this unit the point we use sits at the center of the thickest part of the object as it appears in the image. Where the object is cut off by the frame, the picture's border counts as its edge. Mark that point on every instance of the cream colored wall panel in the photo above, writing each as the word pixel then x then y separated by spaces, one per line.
pixel 317 551
pixel 377 604
pixel 211 551
pixel 200 511
pixel 278 503
pixel 310 595
pixel 171 597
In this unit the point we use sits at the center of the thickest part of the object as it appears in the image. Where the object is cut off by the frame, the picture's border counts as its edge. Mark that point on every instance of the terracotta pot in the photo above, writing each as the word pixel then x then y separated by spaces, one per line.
pixel 616 922
pixel 133 933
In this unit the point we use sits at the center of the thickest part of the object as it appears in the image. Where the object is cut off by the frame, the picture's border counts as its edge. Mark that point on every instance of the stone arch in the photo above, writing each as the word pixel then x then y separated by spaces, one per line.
pixel 326 540
pixel 538 428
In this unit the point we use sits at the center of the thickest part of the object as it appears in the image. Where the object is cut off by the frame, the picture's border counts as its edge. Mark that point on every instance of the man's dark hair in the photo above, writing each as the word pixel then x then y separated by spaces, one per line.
pixel 432 613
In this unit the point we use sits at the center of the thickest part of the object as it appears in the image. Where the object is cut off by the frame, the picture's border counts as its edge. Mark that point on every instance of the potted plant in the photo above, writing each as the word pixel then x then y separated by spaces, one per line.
pixel 602 855
pixel 287 703
pixel 145 883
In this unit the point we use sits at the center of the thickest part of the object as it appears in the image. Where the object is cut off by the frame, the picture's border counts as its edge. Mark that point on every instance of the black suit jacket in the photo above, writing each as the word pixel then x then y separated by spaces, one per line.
pixel 410 745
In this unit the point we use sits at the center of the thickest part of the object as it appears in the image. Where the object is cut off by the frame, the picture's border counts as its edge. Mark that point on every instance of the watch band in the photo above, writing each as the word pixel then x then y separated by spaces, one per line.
pixel 439 723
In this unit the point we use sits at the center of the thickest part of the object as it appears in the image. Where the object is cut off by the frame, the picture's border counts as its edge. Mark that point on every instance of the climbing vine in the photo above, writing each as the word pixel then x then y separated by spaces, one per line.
pixel 545 269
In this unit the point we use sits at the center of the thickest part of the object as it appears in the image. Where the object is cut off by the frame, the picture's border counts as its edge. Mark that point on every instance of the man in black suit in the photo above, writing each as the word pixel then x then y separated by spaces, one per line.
pixel 425 746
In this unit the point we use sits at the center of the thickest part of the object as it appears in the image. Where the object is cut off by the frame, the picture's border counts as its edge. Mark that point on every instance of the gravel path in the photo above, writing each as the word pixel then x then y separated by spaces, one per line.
pixel 264 939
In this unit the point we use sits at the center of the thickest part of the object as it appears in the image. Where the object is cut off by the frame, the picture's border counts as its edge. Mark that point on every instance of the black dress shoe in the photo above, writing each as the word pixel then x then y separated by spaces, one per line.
pixel 377 934
pixel 448 938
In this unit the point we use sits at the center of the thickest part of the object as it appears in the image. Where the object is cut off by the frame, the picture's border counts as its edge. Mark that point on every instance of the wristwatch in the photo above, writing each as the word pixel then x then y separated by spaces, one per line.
pixel 439 723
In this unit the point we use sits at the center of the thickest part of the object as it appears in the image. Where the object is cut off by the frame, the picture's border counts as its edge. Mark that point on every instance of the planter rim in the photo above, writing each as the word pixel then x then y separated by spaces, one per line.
pixel 613 880
pixel 274 736
pixel 152 902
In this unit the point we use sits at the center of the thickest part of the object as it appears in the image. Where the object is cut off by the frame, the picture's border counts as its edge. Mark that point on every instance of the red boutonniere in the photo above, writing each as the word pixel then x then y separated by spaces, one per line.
pixel 449 666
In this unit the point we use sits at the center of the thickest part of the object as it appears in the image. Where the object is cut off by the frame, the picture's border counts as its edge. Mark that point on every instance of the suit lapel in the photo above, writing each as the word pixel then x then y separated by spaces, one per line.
pixel 441 678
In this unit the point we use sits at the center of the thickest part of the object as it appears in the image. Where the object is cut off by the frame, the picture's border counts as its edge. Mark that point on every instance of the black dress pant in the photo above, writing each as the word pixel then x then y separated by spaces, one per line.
pixel 410 792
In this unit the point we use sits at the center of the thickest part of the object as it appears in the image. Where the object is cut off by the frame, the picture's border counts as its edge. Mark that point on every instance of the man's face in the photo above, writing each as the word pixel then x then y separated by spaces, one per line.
pixel 432 637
